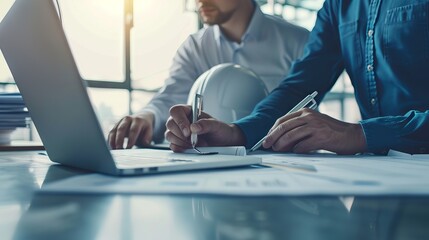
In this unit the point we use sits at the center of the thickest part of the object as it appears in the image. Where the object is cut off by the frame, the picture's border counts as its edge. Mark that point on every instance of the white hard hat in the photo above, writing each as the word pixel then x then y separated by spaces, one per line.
pixel 229 91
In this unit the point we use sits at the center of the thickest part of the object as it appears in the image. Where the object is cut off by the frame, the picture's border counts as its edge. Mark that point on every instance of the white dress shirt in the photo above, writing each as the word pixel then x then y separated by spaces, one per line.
pixel 268 48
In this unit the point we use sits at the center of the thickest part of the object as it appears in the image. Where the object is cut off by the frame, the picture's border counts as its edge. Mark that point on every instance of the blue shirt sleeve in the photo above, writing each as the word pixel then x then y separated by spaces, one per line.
pixel 322 55
pixel 408 133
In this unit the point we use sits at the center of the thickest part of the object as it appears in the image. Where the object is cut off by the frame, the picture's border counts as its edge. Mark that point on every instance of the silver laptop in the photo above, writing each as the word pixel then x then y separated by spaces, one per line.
pixel 35 47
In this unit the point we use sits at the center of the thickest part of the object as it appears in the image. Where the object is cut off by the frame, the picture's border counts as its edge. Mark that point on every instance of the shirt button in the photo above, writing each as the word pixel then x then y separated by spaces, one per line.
pixel 373 101
pixel 370 33
pixel 370 68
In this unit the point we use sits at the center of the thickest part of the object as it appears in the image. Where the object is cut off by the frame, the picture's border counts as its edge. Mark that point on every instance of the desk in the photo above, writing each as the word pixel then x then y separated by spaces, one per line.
pixel 21 146
pixel 26 214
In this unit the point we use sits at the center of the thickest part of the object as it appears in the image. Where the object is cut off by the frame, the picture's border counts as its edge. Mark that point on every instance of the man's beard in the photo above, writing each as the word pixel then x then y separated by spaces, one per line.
pixel 217 18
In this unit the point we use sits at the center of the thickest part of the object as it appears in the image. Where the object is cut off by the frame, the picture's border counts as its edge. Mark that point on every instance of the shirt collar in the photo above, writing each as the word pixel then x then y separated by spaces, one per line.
pixel 253 30
pixel 255 26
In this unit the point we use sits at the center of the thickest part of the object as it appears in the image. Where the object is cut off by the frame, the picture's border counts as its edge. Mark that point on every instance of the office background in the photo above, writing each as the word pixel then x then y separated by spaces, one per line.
pixel 123 50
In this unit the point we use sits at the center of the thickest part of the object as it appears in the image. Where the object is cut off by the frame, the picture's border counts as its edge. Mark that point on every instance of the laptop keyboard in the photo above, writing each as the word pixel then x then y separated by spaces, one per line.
pixel 136 160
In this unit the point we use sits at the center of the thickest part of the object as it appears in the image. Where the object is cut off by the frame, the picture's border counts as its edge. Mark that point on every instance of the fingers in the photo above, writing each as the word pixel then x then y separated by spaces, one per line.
pixel 177 148
pixel 111 138
pixel 178 129
pixel 118 133
pixel 139 133
pixel 305 146
pixel 133 128
pixel 289 131
pixel 179 120
pixel 177 143
pixel 204 126
pixel 291 139
pixel 315 131
pixel 210 133
pixel 284 119
pixel 174 134
pixel 284 132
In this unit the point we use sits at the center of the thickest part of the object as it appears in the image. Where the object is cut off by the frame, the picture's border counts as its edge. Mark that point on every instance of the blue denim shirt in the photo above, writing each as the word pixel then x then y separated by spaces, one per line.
pixel 384 47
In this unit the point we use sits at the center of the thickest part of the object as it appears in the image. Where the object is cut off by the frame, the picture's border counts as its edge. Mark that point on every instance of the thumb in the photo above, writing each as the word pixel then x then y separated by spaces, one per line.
pixel 205 115
pixel 206 125
pixel 283 119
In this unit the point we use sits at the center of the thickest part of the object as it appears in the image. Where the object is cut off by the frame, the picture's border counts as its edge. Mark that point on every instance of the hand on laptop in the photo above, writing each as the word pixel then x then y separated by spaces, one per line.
pixel 211 132
pixel 137 128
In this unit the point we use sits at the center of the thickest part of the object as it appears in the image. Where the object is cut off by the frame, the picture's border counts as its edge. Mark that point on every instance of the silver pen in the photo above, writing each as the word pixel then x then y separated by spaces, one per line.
pixel 197 108
pixel 304 102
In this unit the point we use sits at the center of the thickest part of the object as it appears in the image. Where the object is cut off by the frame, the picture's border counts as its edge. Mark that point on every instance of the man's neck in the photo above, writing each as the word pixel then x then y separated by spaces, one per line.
pixel 235 28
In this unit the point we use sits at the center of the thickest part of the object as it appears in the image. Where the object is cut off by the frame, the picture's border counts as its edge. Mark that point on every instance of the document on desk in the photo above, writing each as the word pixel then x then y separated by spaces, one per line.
pixel 284 174
pixel 402 155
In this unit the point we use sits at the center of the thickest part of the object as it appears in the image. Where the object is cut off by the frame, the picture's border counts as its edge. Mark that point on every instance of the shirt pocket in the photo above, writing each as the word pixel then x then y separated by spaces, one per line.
pixel 350 44
pixel 406 35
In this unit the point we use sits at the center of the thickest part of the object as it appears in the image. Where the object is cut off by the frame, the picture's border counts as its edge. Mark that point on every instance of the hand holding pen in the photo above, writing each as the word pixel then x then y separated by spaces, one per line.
pixel 303 131
pixel 197 109
pixel 197 106
pixel 308 102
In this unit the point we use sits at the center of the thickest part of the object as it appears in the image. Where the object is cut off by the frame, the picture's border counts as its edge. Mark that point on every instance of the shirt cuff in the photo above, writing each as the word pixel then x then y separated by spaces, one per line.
pixel 253 129
pixel 379 135
pixel 158 125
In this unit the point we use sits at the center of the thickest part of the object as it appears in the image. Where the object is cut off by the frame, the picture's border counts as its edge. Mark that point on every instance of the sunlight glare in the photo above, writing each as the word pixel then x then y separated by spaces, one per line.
pixel 108 8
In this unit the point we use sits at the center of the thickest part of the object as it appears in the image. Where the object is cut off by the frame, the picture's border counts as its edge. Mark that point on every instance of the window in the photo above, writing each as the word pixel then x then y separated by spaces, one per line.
pixel 160 27
pixel 124 50
pixel 95 31
pixel 123 65
pixel 100 32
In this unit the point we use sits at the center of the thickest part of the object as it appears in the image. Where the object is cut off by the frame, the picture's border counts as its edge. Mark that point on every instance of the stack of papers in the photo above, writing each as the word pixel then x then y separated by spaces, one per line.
pixel 13 114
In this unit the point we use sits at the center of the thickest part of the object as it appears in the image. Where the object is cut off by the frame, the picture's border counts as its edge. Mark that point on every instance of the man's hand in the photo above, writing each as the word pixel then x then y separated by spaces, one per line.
pixel 211 132
pixel 308 130
pixel 137 128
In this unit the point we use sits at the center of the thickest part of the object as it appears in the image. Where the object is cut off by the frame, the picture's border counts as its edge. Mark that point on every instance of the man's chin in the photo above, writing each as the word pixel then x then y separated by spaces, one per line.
pixel 209 22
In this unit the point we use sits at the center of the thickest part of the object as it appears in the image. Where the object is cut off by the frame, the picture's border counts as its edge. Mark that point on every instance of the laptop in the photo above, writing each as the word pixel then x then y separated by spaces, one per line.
pixel 35 48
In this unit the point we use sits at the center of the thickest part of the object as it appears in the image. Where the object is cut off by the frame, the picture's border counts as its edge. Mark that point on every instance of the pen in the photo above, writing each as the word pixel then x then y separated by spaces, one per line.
pixel 197 108
pixel 304 102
